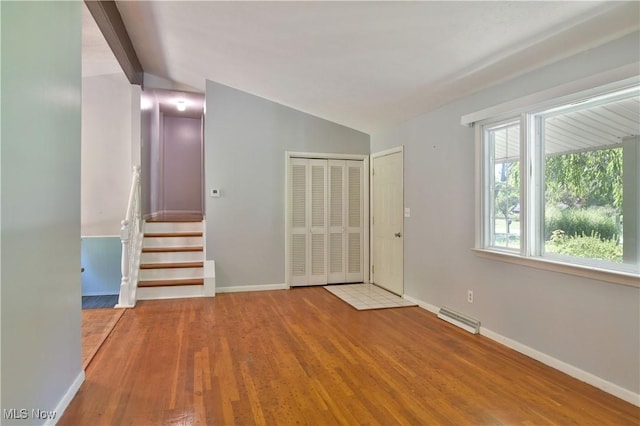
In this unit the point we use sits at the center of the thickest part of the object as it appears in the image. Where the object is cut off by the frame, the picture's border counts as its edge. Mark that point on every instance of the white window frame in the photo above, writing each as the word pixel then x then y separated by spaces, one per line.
pixel 488 176
pixel 531 251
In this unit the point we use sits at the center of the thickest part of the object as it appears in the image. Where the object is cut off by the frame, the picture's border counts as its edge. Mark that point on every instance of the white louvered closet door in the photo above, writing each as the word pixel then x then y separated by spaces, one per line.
pixel 354 215
pixel 337 222
pixel 346 226
pixel 327 224
pixel 308 206
pixel 317 257
pixel 299 221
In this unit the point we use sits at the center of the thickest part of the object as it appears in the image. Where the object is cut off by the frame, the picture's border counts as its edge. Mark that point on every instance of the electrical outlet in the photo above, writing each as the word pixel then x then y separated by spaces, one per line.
pixel 470 296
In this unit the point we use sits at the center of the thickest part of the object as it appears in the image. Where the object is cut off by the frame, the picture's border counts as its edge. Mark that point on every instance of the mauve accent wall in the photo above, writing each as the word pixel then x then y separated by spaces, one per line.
pixel 182 164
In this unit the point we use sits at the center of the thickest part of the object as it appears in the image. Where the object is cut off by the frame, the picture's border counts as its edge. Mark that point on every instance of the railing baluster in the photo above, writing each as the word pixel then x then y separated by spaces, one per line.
pixel 130 234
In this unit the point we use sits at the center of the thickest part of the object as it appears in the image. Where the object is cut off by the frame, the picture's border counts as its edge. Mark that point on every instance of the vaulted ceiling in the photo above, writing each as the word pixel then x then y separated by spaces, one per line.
pixel 366 65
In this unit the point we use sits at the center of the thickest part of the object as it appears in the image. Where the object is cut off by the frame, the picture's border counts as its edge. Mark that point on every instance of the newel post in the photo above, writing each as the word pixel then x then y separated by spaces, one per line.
pixel 125 235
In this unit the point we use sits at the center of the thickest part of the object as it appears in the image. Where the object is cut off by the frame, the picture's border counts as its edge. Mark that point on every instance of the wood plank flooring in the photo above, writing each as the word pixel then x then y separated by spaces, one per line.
pixel 302 356
pixel 96 326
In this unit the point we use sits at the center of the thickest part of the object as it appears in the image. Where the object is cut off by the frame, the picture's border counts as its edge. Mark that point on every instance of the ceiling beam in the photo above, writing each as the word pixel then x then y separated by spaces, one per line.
pixel 107 16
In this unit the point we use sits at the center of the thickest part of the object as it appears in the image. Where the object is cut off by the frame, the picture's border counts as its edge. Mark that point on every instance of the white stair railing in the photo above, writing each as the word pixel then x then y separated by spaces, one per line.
pixel 131 238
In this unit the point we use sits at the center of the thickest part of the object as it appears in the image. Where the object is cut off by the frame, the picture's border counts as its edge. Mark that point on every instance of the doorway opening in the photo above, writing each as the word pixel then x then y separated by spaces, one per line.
pixel 172 143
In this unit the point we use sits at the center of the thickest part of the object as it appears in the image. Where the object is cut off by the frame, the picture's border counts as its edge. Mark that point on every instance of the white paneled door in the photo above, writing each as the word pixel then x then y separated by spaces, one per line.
pixel 388 217
pixel 327 221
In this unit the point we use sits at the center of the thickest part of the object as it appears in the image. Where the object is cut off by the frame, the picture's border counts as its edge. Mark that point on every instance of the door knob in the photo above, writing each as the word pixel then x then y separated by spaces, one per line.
pixel 398 234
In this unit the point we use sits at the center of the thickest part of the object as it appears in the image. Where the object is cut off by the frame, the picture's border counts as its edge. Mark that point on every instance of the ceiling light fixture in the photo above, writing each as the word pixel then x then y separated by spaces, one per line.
pixel 181 105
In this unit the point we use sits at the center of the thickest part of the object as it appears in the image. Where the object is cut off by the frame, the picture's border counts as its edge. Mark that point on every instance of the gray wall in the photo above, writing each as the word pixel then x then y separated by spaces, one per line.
pixel 106 153
pixel 40 168
pixel 592 325
pixel 245 142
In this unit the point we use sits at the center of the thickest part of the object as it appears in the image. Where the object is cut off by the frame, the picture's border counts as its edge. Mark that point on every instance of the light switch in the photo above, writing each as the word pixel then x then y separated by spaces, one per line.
pixel 215 192
pixel 407 212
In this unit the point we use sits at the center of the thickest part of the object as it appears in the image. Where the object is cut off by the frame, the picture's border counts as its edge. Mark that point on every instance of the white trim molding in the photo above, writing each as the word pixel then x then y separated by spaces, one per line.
pixel 66 399
pixel 548 360
pixel 616 277
pixel 612 80
pixel 209 265
pixel 388 152
pixel 571 370
pixel 259 287
pixel 209 278
pixel 424 305
pixel 170 292
pixel 325 155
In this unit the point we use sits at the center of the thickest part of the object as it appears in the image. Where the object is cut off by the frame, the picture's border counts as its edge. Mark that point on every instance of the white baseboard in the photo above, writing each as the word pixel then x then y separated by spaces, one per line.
pixel 573 371
pixel 261 287
pixel 66 399
pixel 100 293
pixel 566 368
pixel 424 305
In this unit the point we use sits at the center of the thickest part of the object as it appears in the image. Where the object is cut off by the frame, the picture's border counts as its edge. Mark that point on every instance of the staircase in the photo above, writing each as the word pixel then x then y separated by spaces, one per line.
pixel 172 260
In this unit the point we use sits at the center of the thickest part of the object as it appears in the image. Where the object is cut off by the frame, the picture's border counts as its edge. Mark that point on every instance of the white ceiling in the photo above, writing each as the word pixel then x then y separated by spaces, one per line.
pixel 366 65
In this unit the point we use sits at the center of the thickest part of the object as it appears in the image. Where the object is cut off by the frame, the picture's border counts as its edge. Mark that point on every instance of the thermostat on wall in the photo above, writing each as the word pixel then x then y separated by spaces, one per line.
pixel 214 192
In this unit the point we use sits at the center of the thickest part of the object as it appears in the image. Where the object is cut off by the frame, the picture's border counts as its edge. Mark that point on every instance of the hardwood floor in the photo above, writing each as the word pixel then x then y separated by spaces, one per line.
pixel 96 326
pixel 302 356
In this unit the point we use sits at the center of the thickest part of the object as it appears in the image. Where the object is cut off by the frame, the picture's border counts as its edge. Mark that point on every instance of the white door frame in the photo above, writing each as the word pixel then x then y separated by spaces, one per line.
pixel 288 155
pixel 398 149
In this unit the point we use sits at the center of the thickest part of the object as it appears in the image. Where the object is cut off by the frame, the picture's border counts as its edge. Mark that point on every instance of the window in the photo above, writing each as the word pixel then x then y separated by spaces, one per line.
pixel 503 144
pixel 561 184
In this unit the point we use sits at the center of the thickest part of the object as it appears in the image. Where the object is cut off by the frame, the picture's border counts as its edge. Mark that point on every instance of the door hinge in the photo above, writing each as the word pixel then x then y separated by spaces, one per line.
pixel 373 172
pixel 373 220
pixel 373 269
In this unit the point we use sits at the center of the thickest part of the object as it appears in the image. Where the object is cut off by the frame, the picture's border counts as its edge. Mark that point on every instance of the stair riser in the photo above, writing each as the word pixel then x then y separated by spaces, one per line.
pixel 150 293
pixel 170 274
pixel 150 242
pixel 171 227
pixel 172 257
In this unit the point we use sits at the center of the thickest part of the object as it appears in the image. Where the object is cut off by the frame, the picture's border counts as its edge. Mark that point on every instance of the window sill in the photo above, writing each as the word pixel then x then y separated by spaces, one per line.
pixel 616 277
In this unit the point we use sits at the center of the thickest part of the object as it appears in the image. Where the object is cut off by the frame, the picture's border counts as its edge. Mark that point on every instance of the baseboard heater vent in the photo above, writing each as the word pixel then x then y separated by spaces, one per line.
pixel 472 325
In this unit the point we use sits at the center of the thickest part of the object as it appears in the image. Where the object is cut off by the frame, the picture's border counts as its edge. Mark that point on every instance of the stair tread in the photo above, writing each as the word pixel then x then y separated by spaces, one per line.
pixel 172 234
pixel 171 249
pixel 171 265
pixel 185 220
pixel 173 218
pixel 168 283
